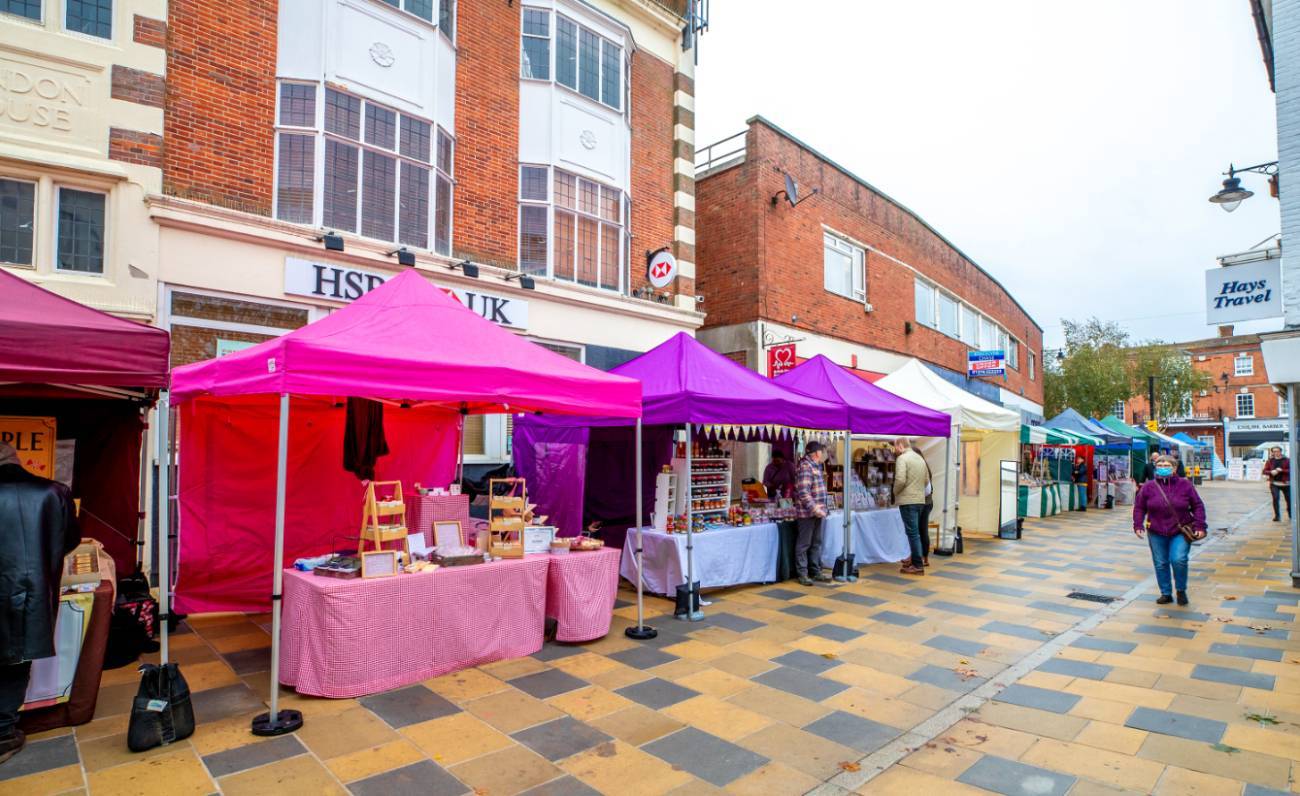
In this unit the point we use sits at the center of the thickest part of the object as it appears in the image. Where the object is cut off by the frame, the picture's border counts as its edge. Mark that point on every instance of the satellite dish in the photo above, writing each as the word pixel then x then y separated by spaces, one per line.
pixel 791 190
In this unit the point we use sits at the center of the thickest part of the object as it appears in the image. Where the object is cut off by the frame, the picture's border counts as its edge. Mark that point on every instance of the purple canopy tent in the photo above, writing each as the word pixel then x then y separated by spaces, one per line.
pixel 682 383
pixel 871 410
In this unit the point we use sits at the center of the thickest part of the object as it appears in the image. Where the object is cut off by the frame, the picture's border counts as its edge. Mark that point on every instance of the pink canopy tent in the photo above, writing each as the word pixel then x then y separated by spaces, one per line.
pixel 407 342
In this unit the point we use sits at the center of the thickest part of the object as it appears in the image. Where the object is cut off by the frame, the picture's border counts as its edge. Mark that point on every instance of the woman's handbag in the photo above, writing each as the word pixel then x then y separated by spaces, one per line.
pixel 1188 530
pixel 162 711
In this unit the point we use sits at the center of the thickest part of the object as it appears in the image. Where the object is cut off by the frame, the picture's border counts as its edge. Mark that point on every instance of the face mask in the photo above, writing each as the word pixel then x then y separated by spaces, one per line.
pixel 1164 472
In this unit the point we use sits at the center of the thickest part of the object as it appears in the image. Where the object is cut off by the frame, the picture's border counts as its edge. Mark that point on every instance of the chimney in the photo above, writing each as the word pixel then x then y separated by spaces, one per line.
pixel 1225 331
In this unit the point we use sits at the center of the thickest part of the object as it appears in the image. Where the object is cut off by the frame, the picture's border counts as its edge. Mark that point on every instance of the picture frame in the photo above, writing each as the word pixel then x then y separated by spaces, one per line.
pixel 538 538
pixel 378 563
pixel 448 532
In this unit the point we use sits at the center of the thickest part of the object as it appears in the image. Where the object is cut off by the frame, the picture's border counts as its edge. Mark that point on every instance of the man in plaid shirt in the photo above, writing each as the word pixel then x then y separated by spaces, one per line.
pixel 812 504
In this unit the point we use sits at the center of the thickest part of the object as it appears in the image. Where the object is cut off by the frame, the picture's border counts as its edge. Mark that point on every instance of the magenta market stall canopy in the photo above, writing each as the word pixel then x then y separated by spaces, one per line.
pixel 871 409
pixel 96 375
pixel 406 341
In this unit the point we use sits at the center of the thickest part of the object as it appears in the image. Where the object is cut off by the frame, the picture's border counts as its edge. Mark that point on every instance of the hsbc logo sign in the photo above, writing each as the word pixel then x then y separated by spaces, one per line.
pixel 661 268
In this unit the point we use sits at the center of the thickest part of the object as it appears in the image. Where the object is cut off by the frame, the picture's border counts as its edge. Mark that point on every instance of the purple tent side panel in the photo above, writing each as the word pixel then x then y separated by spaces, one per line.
pixel 554 462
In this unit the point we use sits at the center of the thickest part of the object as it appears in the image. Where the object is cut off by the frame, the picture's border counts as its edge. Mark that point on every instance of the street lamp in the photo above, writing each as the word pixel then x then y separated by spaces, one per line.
pixel 1231 195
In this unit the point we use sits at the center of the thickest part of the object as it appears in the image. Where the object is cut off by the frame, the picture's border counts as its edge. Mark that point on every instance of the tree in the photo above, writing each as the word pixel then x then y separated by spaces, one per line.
pixel 1093 375
pixel 1101 367
pixel 1176 378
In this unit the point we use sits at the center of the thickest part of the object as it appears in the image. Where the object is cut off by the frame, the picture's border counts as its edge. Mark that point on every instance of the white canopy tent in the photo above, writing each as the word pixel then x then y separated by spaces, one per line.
pixel 987 434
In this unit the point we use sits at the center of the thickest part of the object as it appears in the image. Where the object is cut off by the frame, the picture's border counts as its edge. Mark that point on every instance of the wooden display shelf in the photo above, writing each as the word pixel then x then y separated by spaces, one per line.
pixel 373 530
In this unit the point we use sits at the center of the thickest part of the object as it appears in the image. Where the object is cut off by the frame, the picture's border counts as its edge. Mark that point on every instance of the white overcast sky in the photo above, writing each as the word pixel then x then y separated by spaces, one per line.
pixel 1068 148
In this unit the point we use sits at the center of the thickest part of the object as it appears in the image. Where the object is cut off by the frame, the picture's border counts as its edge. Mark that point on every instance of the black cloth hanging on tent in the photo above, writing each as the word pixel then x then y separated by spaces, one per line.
pixel 363 437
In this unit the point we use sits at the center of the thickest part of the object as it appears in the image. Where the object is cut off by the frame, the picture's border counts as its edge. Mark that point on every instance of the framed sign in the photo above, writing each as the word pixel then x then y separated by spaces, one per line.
pixel 1243 292
pixel 378 563
pixel 448 533
pixel 985 363
pixel 538 538
pixel 780 359
pixel 34 439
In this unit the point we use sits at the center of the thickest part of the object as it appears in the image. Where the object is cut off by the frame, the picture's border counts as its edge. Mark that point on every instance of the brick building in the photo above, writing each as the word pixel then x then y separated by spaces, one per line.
pixel 1241 399
pixel 526 155
pixel 849 273
pixel 81 118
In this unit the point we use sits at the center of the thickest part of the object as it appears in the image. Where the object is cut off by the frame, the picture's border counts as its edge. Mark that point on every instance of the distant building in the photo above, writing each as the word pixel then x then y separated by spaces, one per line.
pixel 849 273
pixel 1240 401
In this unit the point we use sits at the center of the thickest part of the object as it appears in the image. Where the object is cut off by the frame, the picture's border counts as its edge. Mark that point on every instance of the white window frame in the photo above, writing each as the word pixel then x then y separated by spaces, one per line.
pixel 56 200
pixel 939 297
pixel 317 131
pixel 553 53
pixel 20 18
pixel 625 212
pixel 1251 400
pixel 437 10
pixel 841 246
pixel 36 218
pixel 932 322
pixel 1118 410
pixel 1031 358
pixel 1208 439
pixel 549 38
pixel 1283 408
pixel 64 7
pixel 1238 361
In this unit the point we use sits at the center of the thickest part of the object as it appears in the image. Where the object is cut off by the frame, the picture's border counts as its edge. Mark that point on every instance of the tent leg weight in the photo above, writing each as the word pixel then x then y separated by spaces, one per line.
pixel 845 571
pixel 688 603
pixel 286 721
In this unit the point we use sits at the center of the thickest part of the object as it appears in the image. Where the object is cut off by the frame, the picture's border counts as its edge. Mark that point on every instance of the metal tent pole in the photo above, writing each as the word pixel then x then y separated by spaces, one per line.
pixel 844 569
pixel 164 524
pixel 640 632
pixel 690 610
pixel 1294 485
pixel 278 722
pixel 947 474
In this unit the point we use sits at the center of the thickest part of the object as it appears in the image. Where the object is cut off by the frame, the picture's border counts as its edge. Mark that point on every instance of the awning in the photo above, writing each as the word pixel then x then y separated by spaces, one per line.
pixel 1042 435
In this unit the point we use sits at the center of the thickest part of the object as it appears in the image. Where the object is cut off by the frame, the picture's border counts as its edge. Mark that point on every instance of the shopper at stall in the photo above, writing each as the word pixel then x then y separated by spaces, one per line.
pixel 37 529
pixel 812 504
pixel 1277 472
pixel 924 522
pixel 910 477
pixel 1170 512
pixel 779 476
pixel 1080 479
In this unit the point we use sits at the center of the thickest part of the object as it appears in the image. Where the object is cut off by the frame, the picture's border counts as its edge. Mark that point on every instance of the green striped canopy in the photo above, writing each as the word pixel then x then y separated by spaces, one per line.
pixel 1042 435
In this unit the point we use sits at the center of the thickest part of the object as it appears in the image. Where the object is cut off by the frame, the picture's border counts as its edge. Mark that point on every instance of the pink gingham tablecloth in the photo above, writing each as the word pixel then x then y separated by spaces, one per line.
pixel 349 638
pixel 422 511
pixel 580 592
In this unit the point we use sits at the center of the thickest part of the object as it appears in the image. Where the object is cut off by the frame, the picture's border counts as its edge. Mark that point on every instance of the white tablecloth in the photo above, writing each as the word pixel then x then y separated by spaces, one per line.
pixel 723 557
pixel 878 537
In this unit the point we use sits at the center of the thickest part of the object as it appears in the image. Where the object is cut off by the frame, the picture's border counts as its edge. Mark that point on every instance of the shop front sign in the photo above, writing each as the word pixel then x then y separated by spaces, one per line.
pixel 1270 425
pixel 343 283
pixel 1243 292
pixel 780 359
pixel 985 363
pixel 33 438
pixel 661 268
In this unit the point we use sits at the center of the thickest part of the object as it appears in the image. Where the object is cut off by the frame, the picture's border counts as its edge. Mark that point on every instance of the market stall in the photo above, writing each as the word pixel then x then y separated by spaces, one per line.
pixel 422 361
pixel 865 487
pixel 1108 462
pixel 1204 456
pixel 1046 464
pixel 698 407
pixel 968 477
pixel 75 387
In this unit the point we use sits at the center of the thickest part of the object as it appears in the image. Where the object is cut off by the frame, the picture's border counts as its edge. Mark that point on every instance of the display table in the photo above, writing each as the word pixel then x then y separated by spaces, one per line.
pixel 580 592
pixel 878 537
pixel 424 510
pixel 723 557
pixel 348 638
pixel 1045 500
pixel 80 706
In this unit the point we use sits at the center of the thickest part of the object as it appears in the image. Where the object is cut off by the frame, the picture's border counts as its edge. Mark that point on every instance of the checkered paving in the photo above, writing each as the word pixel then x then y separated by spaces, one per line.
pixel 981 677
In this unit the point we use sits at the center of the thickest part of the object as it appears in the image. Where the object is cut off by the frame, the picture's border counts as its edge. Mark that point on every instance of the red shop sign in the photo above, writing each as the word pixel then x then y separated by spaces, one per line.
pixel 780 359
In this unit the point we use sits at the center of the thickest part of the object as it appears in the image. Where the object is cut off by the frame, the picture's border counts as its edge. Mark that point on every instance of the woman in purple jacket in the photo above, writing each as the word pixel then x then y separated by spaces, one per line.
pixel 1162 504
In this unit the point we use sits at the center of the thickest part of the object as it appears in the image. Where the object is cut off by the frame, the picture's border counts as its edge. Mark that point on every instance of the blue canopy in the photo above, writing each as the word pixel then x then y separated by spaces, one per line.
pixel 1071 420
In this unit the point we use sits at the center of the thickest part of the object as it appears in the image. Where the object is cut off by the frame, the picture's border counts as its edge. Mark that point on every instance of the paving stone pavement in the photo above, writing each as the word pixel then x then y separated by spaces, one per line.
pixel 987 679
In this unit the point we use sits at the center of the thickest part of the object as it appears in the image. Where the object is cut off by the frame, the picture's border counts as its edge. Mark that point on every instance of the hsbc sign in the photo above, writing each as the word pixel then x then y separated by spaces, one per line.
pixel 661 268
pixel 340 283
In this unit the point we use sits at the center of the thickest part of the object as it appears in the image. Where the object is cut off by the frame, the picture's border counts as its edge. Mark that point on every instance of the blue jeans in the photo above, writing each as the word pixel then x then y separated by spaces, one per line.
pixel 1083 495
pixel 911 513
pixel 1169 552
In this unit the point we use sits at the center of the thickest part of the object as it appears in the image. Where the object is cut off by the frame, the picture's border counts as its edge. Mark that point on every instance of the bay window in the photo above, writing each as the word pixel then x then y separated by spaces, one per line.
pixel 845 268
pixel 424 10
pixel 571 228
pixel 585 61
pixel 384 174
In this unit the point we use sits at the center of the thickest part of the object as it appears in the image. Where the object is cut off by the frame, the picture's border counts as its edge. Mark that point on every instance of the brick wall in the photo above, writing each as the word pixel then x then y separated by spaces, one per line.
pixel 135 85
pixel 130 146
pixel 652 164
pixel 486 212
pixel 789 281
pixel 152 32
pixel 220 112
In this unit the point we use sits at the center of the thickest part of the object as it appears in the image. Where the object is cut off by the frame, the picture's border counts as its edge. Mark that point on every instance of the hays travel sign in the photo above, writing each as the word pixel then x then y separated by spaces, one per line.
pixel 1243 292
pixel 340 283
